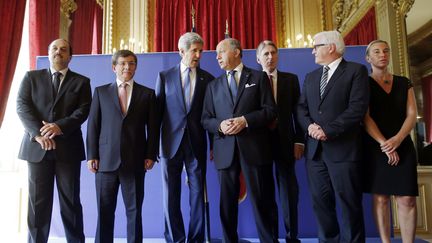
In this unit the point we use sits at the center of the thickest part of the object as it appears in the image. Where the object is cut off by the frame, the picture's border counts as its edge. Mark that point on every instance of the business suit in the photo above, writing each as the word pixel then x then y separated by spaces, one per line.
pixel 334 165
pixel 68 109
pixel 121 143
pixel 283 137
pixel 248 150
pixel 183 142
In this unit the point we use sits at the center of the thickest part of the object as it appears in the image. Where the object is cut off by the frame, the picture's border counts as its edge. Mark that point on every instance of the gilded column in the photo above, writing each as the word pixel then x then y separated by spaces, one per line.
pixel 391 27
pixel 67 7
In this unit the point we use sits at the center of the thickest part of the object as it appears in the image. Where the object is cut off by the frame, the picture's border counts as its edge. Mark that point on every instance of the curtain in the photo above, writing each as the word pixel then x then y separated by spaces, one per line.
pixel 12 20
pixel 85 32
pixel 254 23
pixel 427 106
pixel 97 30
pixel 44 16
pixel 364 32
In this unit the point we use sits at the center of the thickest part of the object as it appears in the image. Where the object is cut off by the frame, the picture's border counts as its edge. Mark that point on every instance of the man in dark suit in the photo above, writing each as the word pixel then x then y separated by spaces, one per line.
pixel 122 138
pixel 286 136
pixel 52 104
pixel 180 93
pixel 238 106
pixel 332 105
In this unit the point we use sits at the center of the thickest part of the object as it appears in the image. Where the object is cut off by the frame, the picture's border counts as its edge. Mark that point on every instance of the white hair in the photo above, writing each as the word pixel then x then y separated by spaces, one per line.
pixel 333 37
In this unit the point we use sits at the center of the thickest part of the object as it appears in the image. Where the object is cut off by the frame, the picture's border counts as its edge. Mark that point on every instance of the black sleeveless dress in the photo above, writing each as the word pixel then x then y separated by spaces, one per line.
pixel 389 112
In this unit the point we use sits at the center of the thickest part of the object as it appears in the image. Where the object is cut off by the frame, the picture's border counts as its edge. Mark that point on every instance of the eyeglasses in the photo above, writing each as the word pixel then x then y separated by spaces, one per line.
pixel 315 47
pixel 122 64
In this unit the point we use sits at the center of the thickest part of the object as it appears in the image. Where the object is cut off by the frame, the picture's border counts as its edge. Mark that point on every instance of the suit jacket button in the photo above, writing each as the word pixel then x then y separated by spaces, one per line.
pixel 320 112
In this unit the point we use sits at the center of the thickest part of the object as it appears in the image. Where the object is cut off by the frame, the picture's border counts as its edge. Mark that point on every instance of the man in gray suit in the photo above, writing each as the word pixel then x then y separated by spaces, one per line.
pixel 52 104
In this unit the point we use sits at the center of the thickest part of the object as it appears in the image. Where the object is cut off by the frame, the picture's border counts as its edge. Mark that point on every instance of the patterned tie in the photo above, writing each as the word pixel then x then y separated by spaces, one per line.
pixel 123 97
pixel 233 84
pixel 187 89
pixel 56 82
pixel 323 82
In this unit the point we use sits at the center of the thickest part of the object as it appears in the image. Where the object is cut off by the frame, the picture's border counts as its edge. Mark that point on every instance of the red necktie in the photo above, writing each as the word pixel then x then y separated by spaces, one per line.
pixel 271 83
pixel 123 97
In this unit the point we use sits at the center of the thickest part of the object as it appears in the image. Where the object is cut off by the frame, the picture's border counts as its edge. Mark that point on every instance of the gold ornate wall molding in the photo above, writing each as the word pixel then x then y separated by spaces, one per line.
pixel 126 25
pixel 295 19
pixel 391 16
pixel 67 7
pixel 348 13
pixel 100 3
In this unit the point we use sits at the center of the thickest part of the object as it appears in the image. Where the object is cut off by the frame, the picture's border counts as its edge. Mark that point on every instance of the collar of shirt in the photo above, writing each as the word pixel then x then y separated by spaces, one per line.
pixel 238 72
pixel 63 72
pixel 130 82
pixel 333 66
pixel 192 75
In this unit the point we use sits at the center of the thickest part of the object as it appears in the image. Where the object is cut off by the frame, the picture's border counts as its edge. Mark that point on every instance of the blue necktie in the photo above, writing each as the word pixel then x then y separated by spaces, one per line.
pixel 187 89
pixel 233 85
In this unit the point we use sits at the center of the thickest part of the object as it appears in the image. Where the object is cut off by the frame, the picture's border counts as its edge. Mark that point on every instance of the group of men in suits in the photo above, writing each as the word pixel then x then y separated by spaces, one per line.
pixel 251 118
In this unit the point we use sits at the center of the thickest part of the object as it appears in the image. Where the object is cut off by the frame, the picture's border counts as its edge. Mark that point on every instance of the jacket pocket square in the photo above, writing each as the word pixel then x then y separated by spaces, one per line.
pixel 249 85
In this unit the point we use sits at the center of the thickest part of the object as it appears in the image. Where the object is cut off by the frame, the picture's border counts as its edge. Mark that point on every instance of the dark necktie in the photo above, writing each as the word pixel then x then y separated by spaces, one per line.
pixel 123 97
pixel 56 82
pixel 323 82
pixel 271 83
pixel 187 89
pixel 233 85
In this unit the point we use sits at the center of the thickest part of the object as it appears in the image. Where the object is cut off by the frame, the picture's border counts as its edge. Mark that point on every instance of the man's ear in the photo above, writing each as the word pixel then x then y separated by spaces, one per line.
pixel 237 51
pixel 181 52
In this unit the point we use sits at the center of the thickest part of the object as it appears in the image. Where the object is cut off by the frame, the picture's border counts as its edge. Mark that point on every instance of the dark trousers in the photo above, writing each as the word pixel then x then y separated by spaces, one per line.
pixel 261 194
pixel 171 172
pixel 132 188
pixel 328 181
pixel 288 197
pixel 41 188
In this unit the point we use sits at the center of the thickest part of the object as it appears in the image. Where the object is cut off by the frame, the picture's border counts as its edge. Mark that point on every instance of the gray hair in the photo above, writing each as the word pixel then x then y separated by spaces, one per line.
pixel 235 44
pixel 187 39
pixel 263 44
pixel 333 37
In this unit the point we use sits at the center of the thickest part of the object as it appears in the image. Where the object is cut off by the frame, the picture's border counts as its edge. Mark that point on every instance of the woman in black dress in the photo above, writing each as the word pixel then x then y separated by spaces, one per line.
pixel 390 155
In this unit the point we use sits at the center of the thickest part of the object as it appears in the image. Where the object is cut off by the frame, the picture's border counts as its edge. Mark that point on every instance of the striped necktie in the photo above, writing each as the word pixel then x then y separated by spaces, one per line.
pixel 323 82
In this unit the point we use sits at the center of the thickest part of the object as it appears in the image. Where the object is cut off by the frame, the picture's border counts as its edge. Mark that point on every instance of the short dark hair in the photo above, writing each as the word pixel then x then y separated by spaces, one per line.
pixel 70 46
pixel 123 53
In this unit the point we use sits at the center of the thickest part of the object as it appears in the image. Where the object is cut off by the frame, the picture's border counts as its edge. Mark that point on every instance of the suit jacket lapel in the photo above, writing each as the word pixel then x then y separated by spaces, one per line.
pixel 338 72
pixel 199 83
pixel 113 92
pixel 175 78
pixel 134 97
pixel 48 79
pixel 280 87
pixel 242 83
